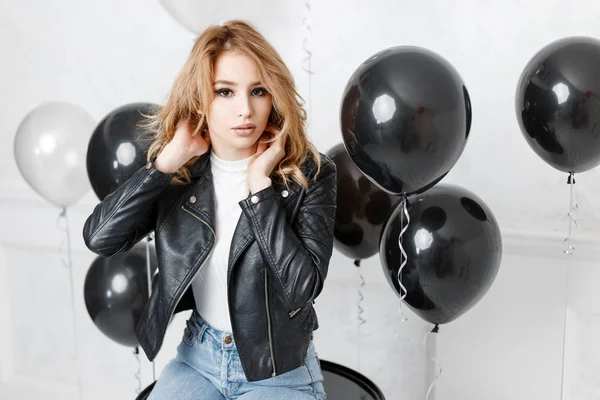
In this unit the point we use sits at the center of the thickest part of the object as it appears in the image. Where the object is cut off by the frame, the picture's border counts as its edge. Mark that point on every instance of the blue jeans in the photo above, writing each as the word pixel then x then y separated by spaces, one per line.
pixel 208 366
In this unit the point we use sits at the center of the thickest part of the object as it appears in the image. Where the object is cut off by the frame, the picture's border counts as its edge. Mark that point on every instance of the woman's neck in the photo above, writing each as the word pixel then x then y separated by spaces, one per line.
pixel 229 153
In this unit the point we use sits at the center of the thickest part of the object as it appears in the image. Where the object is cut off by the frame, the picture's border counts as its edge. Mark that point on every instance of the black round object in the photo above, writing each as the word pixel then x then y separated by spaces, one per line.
pixel 405 118
pixel 116 291
pixel 341 383
pixel 118 147
pixel 453 247
pixel 557 103
pixel 362 209
pixel 144 394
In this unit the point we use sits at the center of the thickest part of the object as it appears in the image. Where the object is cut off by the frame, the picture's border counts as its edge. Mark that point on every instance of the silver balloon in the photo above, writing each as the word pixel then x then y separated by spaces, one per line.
pixel 50 150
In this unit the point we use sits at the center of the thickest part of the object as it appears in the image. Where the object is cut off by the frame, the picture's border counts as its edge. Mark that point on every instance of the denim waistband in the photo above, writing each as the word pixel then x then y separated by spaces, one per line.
pixel 201 330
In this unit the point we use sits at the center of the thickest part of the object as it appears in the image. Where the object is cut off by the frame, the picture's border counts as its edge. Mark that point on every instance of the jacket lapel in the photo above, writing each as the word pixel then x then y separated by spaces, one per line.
pixel 202 192
pixel 204 206
pixel 242 238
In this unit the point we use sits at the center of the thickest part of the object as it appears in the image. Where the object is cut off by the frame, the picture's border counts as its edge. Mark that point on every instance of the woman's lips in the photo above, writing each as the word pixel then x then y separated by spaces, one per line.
pixel 244 131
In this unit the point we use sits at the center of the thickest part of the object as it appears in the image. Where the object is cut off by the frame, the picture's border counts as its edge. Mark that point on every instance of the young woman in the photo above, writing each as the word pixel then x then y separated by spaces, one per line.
pixel 243 208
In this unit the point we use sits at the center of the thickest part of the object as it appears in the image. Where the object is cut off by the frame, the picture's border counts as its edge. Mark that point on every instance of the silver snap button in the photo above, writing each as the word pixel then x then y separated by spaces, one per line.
pixel 285 193
pixel 254 199
pixel 193 199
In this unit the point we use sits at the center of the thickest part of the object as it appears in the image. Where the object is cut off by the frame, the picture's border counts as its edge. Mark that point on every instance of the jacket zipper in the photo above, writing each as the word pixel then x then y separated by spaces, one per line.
pixel 269 323
pixel 291 314
pixel 266 295
pixel 204 262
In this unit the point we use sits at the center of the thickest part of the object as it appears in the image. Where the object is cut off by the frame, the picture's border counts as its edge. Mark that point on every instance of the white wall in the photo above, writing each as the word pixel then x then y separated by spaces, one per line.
pixel 101 55
pixel 510 345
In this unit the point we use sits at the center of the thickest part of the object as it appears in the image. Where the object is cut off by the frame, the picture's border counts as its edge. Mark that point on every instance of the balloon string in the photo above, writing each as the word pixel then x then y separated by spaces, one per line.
pixel 569 249
pixel 306 61
pixel 403 260
pixel 63 224
pixel 361 310
pixel 361 298
pixel 138 374
pixel 564 327
pixel 149 276
pixel 573 206
pixel 435 330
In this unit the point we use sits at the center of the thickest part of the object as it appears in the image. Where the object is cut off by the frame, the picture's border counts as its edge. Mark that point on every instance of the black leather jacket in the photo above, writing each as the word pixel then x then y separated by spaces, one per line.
pixel 278 259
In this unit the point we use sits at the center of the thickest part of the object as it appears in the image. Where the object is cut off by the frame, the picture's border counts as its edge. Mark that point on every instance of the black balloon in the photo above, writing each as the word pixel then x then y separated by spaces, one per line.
pixel 362 209
pixel 405 118
pixel 453 246
pixel 116 292
pixel 118 147
pixel 557 103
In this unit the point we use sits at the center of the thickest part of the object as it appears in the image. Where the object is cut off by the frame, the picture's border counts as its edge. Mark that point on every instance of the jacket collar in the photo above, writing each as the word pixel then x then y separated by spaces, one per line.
pixel 201 165
pixel 204 204
pixel 202 168
pixel 204 207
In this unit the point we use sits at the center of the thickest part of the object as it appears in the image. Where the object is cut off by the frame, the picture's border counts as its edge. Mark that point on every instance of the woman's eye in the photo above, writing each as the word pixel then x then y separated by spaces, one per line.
pixel 259 92
pixel 224 92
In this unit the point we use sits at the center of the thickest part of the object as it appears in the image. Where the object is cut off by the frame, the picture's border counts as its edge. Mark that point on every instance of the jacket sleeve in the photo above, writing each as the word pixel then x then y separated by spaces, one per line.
pixel 126 215
pixel 297 255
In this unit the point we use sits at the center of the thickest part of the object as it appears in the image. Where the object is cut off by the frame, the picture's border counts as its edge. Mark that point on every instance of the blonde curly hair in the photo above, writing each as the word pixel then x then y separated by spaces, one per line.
pixel 192 93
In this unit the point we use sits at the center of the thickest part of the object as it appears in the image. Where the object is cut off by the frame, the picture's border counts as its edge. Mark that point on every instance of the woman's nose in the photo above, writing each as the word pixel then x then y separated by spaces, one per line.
pixel 245 107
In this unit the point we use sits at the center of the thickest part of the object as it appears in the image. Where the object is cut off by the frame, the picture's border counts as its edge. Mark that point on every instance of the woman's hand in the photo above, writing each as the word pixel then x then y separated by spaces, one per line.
pixel 268 154
pixel 182 148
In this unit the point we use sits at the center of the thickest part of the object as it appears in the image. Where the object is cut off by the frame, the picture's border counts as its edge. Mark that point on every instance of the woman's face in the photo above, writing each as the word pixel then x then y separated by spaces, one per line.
pixel 240 109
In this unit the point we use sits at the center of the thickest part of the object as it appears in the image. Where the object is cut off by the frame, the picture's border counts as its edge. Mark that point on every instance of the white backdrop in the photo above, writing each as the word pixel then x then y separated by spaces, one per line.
pixel 101 55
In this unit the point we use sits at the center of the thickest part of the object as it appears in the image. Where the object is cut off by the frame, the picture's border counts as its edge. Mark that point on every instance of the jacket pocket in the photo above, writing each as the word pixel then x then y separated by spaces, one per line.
pixel 306 321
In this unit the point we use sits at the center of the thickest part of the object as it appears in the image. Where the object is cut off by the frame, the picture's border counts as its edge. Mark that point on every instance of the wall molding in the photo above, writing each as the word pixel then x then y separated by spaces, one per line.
pixel 6 363
pixel 18 191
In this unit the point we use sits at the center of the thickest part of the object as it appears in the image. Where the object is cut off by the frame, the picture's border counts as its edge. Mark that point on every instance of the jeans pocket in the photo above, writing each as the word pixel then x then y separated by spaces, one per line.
pixel 314 369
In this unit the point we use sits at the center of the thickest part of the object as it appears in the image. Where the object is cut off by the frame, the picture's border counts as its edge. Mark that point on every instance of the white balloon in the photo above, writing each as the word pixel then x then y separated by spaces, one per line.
pixel 50 149
pixel 197 15
pixel 279 21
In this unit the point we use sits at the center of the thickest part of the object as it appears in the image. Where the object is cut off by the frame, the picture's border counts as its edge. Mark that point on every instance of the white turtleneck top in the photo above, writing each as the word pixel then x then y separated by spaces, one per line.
pixel 210 285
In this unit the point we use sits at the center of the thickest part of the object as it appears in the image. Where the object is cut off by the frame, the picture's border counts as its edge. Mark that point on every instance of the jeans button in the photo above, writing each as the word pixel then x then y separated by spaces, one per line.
pixel 228 339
